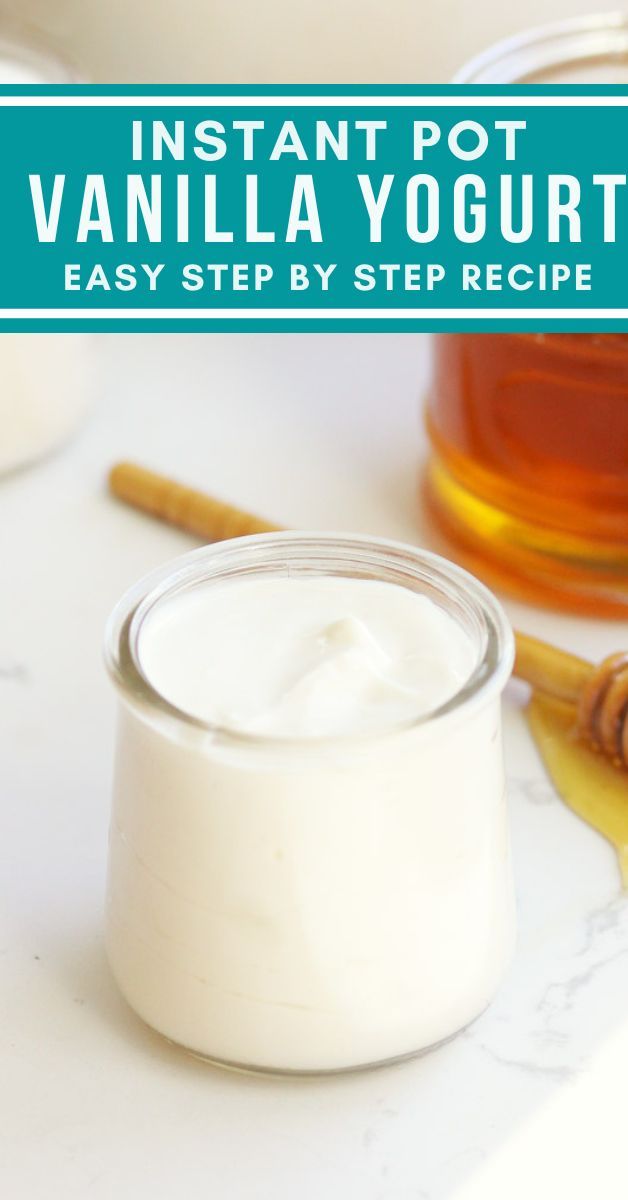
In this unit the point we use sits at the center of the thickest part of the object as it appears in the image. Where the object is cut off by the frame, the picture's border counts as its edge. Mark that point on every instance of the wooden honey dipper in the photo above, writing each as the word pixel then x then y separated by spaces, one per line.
pixel 598 693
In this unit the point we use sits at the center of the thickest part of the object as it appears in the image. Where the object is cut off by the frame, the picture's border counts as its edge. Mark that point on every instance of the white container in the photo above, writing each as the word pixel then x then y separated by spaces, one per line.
pixel 43 377
pixel 306 904
pixel 44 392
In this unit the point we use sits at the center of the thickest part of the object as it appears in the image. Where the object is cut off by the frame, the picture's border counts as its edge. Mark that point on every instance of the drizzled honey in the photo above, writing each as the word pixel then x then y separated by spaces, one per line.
pixel 589 784
pixel 529 474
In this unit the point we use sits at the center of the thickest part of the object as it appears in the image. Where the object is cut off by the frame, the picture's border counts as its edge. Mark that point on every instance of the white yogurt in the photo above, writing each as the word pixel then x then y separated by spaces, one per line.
pixel 305 658
pixel 312 872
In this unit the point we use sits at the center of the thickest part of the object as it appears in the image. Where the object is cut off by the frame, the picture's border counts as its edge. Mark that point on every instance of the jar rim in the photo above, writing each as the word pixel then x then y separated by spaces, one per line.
pixel 297 553
pixel 555 44
pixel 32 53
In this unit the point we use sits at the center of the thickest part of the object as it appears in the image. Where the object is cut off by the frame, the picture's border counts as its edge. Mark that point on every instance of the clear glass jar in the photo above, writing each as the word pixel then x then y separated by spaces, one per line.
pixel 529 432
pixel 591 49
pixel 320 904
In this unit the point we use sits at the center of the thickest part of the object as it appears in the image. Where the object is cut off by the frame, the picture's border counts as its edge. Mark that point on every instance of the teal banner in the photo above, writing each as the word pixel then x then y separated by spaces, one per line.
pixel 310 208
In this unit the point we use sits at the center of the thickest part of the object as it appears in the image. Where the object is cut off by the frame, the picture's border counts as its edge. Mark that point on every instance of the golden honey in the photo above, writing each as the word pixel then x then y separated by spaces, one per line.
pixel 529 471
pixel 595 789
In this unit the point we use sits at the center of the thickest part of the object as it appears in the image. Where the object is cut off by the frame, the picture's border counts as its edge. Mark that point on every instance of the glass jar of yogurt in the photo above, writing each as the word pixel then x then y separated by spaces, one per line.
pixel 528 474
pixel 309 858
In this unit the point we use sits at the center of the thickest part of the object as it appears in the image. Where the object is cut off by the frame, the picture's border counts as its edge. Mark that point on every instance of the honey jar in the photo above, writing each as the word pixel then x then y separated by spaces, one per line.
pixel 528 475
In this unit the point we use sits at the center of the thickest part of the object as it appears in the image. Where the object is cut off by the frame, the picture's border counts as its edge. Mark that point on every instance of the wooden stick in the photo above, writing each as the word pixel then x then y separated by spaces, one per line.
pixel 600 693
pixel 549 669
pixel 182 506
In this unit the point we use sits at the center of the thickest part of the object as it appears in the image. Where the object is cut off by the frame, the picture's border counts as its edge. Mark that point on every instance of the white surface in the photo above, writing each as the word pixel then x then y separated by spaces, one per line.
pixel 311 431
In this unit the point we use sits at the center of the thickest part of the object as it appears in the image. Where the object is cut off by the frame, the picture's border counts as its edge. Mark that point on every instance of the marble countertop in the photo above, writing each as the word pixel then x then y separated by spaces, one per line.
pixel 315 432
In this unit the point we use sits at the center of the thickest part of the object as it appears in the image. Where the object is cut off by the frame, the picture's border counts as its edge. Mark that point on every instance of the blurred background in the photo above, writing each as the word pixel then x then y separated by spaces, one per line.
pixel 279 41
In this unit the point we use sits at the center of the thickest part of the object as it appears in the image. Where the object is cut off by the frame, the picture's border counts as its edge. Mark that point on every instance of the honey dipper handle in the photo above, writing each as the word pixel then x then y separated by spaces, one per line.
pixel 549 669
pixel 184 507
